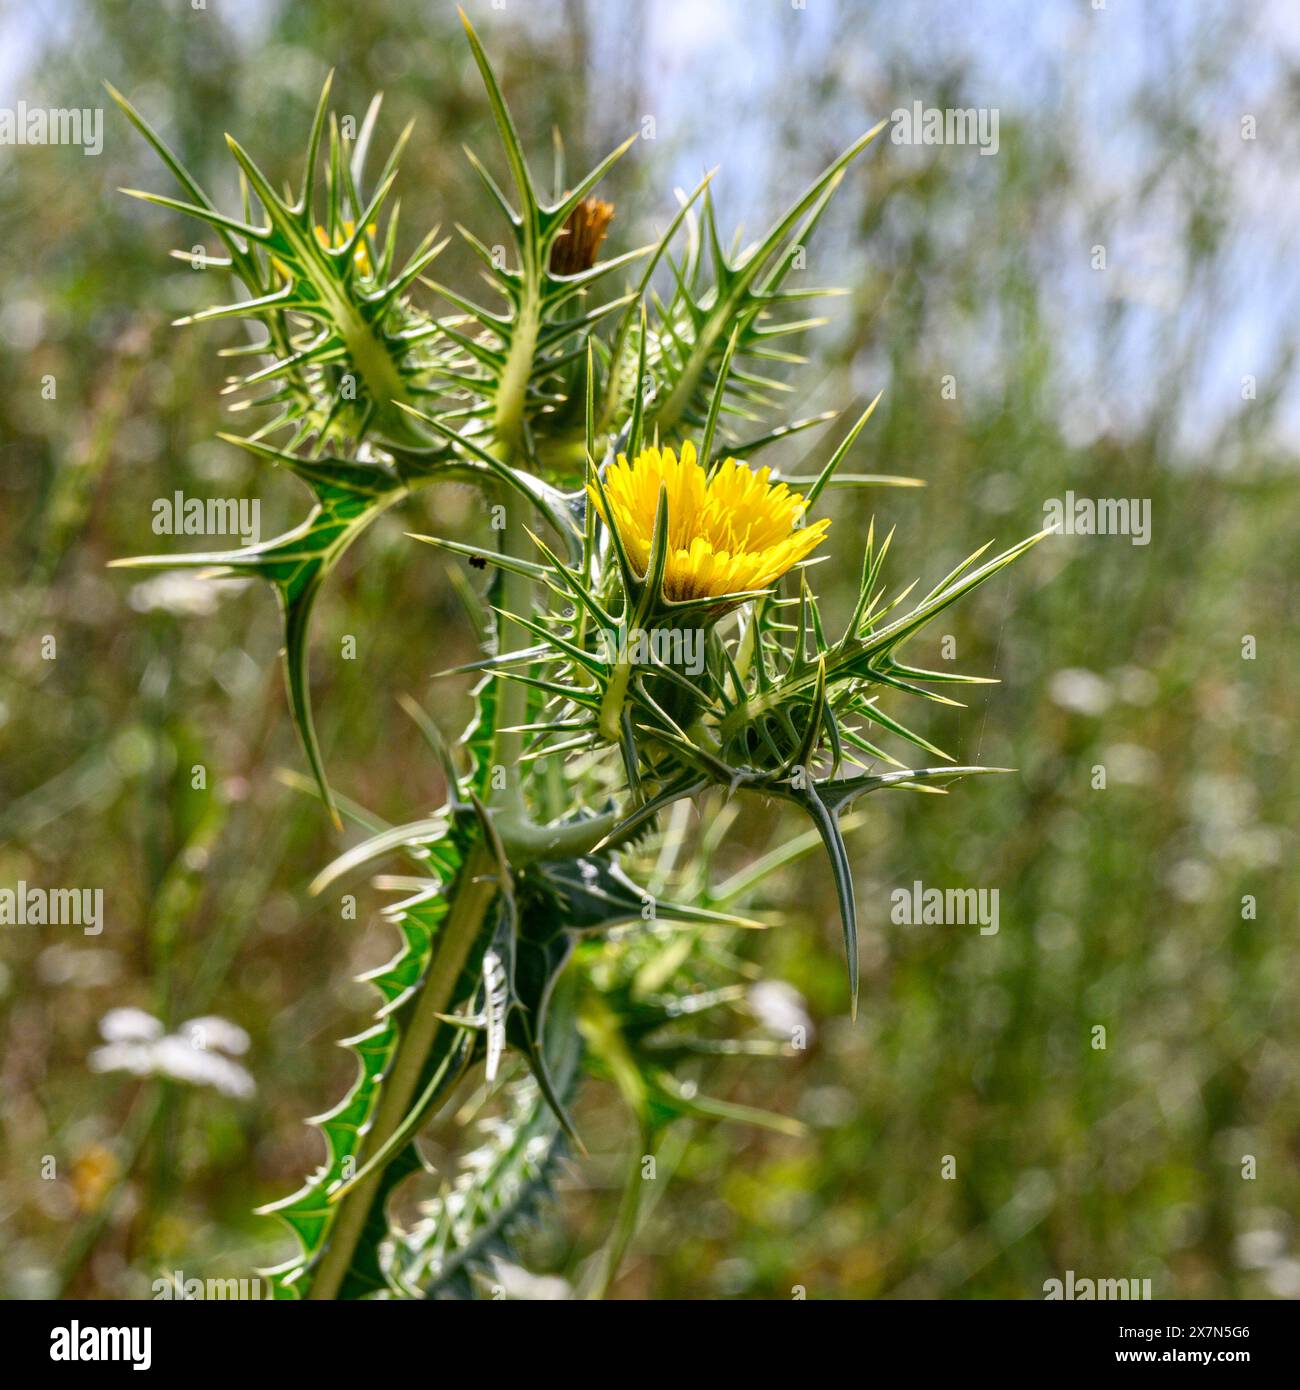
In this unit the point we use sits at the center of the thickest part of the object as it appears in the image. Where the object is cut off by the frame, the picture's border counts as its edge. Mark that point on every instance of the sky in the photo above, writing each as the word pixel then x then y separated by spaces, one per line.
pixel 720 77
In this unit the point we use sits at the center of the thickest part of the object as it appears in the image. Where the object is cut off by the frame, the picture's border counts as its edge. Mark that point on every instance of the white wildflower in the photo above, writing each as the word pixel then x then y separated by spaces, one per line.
pixel 136 1042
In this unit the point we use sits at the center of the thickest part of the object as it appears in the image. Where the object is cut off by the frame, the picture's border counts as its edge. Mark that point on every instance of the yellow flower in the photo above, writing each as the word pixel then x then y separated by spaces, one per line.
pixel 361 255
pixel 733 531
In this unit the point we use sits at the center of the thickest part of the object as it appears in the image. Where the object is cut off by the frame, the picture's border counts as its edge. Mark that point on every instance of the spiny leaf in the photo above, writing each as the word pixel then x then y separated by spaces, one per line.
pixel 308 1212
pixel 297 564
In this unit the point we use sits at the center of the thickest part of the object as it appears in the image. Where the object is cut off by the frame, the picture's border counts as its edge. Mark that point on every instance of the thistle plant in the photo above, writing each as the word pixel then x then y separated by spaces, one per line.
pixel 652 639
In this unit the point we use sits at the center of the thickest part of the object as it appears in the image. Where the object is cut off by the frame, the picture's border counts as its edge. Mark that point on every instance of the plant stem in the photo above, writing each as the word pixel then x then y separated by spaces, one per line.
pixel 625 1224
pixel 611 706
pixel 475 889
pixel 512 701
pixel 143 1118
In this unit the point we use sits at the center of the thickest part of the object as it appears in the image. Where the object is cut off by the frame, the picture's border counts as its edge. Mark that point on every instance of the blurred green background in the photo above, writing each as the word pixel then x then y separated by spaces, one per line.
pixel 1167 375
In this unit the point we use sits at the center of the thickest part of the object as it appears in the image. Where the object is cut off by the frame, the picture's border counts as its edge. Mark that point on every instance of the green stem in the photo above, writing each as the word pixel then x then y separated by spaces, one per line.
pixel 143 1119
pixel 475 889
pixel 524 840
pixel 521 834
pixel 516 589
pixel 512 702
pixel 611 706
pixel 625 1223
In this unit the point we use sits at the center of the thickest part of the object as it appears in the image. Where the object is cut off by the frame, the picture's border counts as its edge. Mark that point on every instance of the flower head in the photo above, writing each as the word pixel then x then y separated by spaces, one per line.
pixel 361 256
pixel 577 246
pixel 136 1042
pixel 733 531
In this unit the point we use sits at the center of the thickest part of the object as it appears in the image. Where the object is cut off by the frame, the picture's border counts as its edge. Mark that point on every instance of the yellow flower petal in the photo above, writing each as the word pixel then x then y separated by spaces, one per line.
pixel 361 255
pixel 733 531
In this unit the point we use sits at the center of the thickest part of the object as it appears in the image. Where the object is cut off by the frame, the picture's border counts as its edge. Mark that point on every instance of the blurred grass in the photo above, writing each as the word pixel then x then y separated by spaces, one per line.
pixel 1120 908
